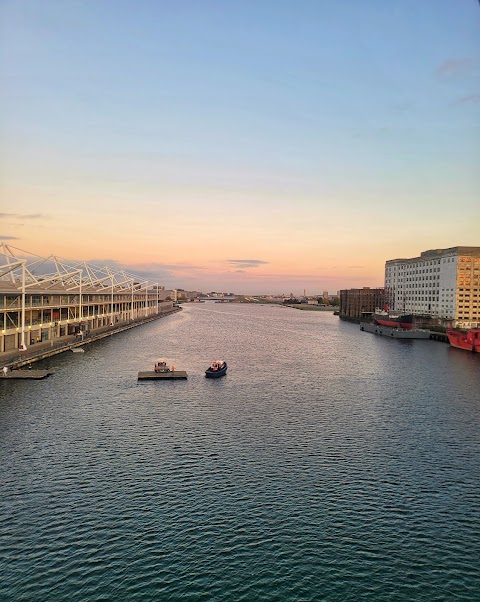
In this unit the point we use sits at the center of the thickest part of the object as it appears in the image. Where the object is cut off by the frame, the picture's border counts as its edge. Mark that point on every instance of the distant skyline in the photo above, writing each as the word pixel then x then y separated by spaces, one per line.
pixel 253 147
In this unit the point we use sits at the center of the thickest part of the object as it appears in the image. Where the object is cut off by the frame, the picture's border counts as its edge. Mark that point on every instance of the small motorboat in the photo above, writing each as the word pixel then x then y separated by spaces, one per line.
pixel 216 370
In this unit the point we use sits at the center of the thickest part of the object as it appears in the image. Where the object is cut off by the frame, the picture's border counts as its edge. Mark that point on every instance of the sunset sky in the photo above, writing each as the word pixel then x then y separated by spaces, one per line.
pixel 258 146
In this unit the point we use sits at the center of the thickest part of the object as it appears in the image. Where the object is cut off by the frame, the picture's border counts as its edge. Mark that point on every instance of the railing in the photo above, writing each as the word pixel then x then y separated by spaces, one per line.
pixel 15 305
pixel 67 341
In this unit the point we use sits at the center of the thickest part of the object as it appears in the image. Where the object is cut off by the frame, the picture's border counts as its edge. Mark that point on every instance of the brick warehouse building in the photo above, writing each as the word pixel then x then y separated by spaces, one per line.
pixel 359 303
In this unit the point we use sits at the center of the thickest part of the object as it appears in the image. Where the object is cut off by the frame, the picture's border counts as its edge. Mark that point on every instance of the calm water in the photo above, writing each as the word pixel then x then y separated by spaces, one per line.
pixel 329 464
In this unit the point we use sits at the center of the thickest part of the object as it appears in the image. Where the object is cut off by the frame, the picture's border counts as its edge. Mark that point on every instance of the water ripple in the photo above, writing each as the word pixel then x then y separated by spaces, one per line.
pixel 328 465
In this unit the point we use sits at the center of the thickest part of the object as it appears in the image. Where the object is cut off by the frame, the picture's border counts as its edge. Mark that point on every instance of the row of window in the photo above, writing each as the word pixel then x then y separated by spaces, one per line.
pixel 463 259
pixel 417 272
pixel 423 278
pixel 421 264
pixel 418 299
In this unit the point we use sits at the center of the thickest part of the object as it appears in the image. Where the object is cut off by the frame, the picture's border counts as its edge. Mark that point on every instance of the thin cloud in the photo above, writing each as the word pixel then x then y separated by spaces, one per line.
pixel 246 263
pixel 470 99
pixel 9 237
pixel 455 67
pixel 156 271
pixel 23 216
pixel 402 107
pixel 170 266
pixel 356 267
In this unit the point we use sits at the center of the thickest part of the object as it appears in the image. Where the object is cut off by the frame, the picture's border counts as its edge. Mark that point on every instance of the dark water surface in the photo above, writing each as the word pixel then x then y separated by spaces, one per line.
pixel 329 464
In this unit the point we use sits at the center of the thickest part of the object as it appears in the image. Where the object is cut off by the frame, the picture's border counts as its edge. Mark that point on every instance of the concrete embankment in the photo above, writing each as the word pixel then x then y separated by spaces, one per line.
pixel 18 359
pixel 305 307
pixel 26 375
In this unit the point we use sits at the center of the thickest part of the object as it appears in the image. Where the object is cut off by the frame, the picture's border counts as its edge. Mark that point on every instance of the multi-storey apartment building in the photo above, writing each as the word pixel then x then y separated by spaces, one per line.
pixel 442 283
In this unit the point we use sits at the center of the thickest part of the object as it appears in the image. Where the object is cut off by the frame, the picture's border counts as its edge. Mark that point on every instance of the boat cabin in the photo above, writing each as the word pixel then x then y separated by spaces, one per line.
pixel 217 366
pixel 161 366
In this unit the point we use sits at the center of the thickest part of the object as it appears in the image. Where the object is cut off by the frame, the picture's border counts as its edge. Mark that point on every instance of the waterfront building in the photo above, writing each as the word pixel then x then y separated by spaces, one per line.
pixel 441 283
pixel 360 303
pixel 45 299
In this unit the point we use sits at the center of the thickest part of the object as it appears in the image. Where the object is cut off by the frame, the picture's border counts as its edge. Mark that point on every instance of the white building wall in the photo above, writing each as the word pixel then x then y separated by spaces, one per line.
pixel 448 286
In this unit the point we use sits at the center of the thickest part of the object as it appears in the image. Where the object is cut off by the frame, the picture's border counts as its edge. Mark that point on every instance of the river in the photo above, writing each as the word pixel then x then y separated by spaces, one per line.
pixel 328 464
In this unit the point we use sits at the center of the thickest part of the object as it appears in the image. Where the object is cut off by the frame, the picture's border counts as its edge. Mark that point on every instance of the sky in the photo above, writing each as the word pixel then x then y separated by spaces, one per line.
pixel 260 146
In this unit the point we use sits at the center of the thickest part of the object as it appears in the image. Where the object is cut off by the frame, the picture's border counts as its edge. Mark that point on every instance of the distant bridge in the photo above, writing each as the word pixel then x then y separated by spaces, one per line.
pixel 222 299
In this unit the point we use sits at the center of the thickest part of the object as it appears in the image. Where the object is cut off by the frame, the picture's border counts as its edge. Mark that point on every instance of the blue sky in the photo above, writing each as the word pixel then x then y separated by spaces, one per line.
pixel 275 131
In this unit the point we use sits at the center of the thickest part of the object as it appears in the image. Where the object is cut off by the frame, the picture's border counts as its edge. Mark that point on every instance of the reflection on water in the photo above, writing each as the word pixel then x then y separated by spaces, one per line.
pixel 328 464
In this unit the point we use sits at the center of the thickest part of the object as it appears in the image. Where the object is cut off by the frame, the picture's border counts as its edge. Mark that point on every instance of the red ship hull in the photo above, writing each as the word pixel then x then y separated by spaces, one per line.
pixel 393 319
pixel 391 323
pixel 469 341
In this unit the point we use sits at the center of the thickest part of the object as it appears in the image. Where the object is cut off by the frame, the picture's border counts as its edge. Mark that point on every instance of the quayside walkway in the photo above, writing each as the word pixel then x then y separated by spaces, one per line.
pixel 18 359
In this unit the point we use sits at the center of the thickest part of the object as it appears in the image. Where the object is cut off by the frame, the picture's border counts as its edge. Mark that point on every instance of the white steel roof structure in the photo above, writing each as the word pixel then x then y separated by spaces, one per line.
pixel 55 273
pixel 22 271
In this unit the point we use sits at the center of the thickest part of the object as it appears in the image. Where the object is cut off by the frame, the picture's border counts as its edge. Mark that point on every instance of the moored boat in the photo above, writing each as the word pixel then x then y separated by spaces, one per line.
pixel 469 341
pixel 216 369
pixel 162 371
pixel 396 333
pixel 393 319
